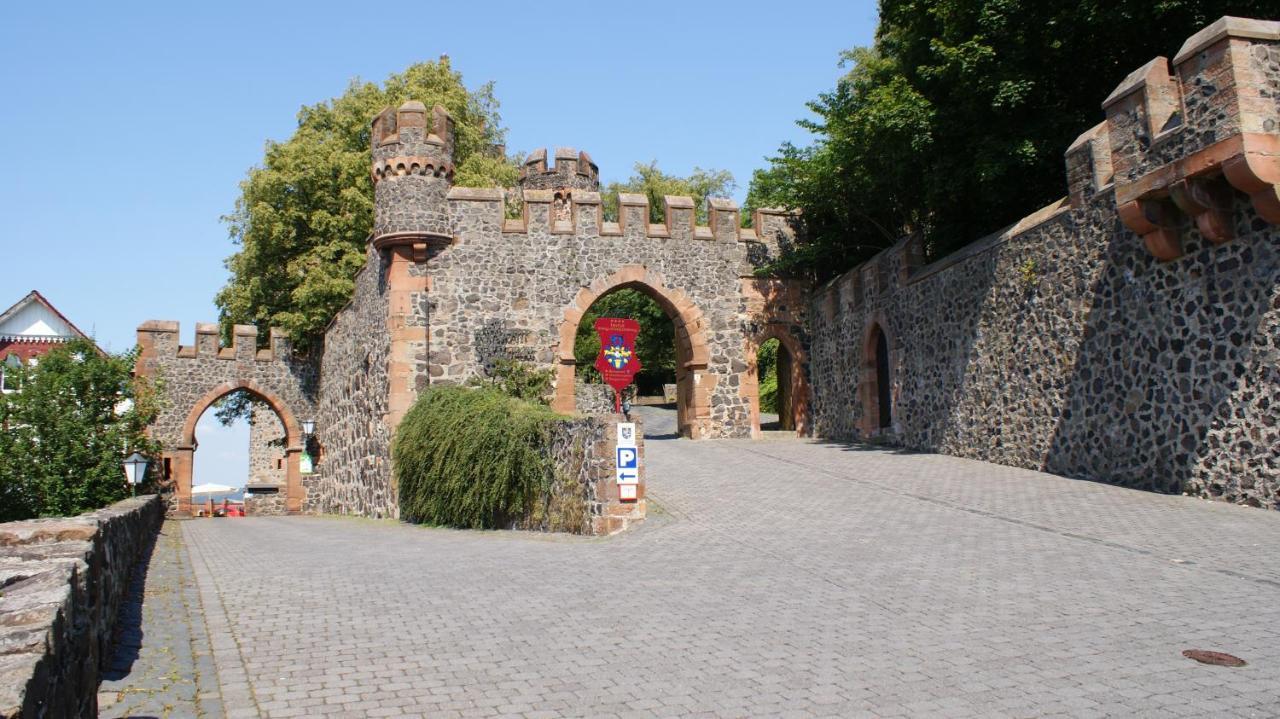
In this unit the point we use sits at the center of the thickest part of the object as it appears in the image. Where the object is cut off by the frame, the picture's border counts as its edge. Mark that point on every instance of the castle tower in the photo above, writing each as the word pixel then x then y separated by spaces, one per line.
pixel 412 172
pixel 573 170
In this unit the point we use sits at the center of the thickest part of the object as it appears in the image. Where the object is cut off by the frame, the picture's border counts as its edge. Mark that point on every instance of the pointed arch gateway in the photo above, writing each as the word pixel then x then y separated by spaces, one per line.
pixel 693 394
pixel 181 458
pixel 876 386
pixel 793 386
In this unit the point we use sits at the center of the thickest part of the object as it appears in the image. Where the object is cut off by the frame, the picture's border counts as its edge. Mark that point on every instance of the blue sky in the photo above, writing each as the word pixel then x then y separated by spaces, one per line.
pixel 126 127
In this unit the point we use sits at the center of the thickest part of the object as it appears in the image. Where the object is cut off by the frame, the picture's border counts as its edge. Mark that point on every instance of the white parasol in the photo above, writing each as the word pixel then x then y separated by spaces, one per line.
pixel 212 489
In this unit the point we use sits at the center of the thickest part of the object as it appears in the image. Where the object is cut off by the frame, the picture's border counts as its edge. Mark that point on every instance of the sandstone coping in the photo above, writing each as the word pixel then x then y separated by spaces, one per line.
pixel 1224 27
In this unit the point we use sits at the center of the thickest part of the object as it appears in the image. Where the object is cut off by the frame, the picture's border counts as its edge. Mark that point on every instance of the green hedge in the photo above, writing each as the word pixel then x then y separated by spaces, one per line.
pixel 472 457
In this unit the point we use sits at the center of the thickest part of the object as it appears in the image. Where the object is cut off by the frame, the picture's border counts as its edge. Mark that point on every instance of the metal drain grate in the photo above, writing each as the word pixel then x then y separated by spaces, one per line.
pixel 1219 659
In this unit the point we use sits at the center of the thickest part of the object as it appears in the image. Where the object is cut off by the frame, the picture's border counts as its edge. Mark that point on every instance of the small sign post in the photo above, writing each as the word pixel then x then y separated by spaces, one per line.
pixel 617 361
pixel 627 468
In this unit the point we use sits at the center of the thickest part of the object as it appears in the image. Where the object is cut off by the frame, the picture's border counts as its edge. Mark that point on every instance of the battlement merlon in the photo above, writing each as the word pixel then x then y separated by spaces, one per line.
pixel 405 144
pixel 159 338
pixel 1179 141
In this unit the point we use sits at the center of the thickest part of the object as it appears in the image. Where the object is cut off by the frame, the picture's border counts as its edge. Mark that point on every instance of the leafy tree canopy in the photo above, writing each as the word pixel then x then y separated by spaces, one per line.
pixel 303 216
pixel 66 429
pixel 955 122
pixel 652 182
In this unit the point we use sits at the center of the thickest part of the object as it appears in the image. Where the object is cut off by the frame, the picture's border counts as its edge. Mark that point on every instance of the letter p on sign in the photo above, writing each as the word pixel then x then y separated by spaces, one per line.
pixel 628 469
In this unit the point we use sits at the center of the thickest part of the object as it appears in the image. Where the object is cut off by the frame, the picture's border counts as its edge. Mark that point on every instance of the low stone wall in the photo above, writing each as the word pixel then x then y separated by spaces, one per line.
pixel 593 398
pixel 62 581
pixel 584 498
pixel 265 505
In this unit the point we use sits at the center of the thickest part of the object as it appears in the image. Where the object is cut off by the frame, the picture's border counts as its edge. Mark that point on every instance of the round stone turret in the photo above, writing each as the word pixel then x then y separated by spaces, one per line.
pixel 573 170
pixel 412 173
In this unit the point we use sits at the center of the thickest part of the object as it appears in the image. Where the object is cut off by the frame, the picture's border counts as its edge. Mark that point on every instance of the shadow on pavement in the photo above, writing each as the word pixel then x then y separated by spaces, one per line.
pixel 126 641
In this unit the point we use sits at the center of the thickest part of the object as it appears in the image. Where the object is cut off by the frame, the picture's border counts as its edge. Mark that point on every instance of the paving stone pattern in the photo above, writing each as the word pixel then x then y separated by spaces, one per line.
pixel 783 578
pixel 162 665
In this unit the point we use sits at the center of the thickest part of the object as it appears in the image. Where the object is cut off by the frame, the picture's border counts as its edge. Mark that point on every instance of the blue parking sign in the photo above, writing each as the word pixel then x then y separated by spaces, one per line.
pixel 628 470
pixel 628 458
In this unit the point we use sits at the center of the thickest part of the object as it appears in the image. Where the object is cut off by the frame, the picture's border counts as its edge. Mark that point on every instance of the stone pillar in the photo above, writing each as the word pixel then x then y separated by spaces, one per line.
pixel 180 467
pixel 406 363
pixel 294 492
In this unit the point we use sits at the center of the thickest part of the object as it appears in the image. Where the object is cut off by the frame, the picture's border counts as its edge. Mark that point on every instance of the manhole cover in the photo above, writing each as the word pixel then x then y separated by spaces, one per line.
pixel 1216 658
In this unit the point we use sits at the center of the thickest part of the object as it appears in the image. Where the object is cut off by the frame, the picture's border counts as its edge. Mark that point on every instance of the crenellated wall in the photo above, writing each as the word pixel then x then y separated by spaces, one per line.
pixel 194 377
pixel 1129 333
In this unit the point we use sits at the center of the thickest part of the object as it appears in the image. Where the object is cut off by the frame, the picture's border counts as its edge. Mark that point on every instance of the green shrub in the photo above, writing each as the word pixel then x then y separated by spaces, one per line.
pixel 517 379
pixel 472 457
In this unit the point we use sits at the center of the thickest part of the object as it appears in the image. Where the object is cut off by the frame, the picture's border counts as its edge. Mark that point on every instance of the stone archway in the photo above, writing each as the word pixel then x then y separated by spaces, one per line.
pixel 693 395
pixel 194 377
pixel 181 458
pixel 795 393
pixel 876 386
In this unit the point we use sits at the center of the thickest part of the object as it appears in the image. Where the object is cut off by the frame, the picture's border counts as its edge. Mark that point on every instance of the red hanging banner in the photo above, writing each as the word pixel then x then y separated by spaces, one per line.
pixel 617 361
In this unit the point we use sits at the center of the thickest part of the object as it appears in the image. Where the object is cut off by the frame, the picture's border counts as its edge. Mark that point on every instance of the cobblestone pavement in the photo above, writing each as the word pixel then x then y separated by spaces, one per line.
pixel 781 578
pixel 161 665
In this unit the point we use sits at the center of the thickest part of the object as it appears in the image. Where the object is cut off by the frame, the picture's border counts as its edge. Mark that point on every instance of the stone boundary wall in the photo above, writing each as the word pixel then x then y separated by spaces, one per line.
pixel 1129 333
pixel 353 475
pixel 62 581
pixel 593 398
pixel 584 498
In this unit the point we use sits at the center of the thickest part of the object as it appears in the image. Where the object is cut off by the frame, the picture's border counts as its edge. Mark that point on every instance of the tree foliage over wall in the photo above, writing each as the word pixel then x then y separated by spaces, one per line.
pixel 653 183
pixel 767 375
pixel 64 433
pixel 304 215
pixel 955 122
pixel 655 345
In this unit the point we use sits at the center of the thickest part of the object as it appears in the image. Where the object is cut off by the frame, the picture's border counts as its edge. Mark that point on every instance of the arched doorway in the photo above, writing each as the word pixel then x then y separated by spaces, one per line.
pixel 877 383
pixel 180 460
pixel 776 383
pixel 692 395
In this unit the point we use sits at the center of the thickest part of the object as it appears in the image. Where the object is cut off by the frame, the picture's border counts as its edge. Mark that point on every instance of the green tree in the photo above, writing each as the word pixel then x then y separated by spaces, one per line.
pixel 954 123
pixel 648 180
pixel 655 345
pixel 73 419
pixel 304 215
pixel 767 375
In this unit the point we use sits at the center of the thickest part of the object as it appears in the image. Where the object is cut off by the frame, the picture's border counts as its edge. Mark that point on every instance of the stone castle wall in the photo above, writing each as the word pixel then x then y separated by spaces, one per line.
pixel 1129 334
pixel 353 475
pixel 518 289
